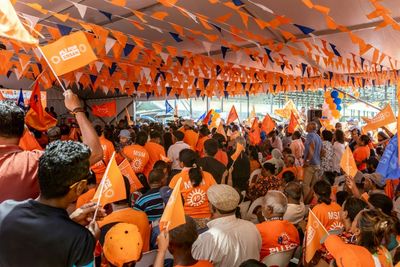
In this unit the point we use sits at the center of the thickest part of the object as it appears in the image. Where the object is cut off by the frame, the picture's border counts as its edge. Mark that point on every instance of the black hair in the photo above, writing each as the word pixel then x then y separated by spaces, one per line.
pixel 327 135
pixel 141 138
pixel 293 190
pixel 269 167
pixel 287 150
pixel 252 263
pixel 12 120
pixel 184 235
pixel 91 179
pixel 127 191
pixel 341 197
pixel 160 165
pixel 220 138
pixel 167 140
pixel 62 165
pixel 353 206
pixel 204 131
pixel 155 134
pixel 365 139
pixel 156 176
pixel 329 177
pixel 382 202
pixel 99 130
pixel 296 134
pixel 373 161
pixel 253 152
pixel 323 189
pixel 189 159
pixel 211 147
pixel 179 135
pixel 339 136
pixel 288 176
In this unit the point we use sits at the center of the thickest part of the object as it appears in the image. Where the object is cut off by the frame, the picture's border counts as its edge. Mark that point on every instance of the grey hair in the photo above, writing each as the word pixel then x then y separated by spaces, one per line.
pixel 241 140
pixel 276 200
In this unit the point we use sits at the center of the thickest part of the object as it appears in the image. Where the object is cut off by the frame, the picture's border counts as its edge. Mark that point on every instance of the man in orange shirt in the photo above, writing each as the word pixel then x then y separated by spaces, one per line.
pixel 203 136
pixel 108 148
pixel 136 154
pixel 277 234
pixel 155 150
pixel 191 136
pixel 362 152
pixel 122 213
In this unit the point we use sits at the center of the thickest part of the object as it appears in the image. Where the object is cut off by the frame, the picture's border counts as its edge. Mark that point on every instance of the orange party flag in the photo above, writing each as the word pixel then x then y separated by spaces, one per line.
pixel 348 164
pixel 28 141
pixel 112 185
pixel 268 124
pixel 69 53
pixel 383 118
pixel 127 171
pixel 255 133
pixel 238 151
pixel 221 130
pixel 41 123
pixel 232 115
pixel 315 232
pixel 2 97
pixel 173 214
pixel 128 117
pixel 292 123
pixel 108 109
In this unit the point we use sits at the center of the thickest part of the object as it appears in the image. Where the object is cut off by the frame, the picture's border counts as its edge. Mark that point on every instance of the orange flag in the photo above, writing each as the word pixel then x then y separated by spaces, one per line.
pixel 2 97
pixel 29 142
pixel 255 133
pixel 383 118
pixel 315 231
pixel 74 134
pixel 127 171
pixel 173 214
pixel 69 53
pixel 108 109
pixel 35 102
pixel 238 151
pixel 40 123
pixel 232 115
pixel 128 117
pixel 221 130
pixel 292 123
pixel 112 185
pixel 268 124
pixel 348 164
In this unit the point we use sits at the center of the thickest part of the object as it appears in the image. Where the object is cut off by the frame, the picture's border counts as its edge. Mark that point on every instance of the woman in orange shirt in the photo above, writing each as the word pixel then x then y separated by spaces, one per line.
pixel 194 186
pixel 221 155
pixel 362 152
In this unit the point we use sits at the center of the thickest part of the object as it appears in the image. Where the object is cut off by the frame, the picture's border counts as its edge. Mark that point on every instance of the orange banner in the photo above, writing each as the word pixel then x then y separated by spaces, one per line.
pixel 108 109
pixel 383 118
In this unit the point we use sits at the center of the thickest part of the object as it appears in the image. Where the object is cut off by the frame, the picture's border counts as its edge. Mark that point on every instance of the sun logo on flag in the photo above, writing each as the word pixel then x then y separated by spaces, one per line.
pixel 336 226
pixel 196 198
pixel 137 164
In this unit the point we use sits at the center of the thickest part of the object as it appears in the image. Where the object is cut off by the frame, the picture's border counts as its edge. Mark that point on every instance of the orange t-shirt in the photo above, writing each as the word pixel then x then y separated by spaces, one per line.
pixel 136 217
pixel 222 157
pixel 277 236
pixel 254 165
pixel 190 138
pixel 155 152
pixel 361 154
pixel 99 168
pixel 137 156
pixel 298 172
pixel 196 201
pixel 85 198
pixel 200 145
pixel 329 215
pixel 198 264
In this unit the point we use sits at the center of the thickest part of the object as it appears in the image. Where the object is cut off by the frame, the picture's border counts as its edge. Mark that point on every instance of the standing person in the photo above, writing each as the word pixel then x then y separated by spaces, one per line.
pixel 297 148
pixel 191 136
pixel 155 150
pixel 174 150
pixel 355 135
pixel 210 164
pixel 108 148
pixel 338 150
pixel 194 186
pixel 221 155
pixel 136 154
pixel 168 140
pixel 276 141
pixel 55 238
pixel 312 158
pixel 203 137
pixel 241 168
pixel 362 152
pixel 18 168
pixel 228 241
pixel 327 151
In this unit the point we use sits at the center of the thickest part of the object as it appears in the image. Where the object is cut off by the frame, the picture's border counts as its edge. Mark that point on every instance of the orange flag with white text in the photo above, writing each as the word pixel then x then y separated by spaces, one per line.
pixel 28 141
pixel 69 53
pixel 292 123
pixel 174 214
pixel 383 118
pixel 232 115
pixel 127 171
pixel 238 151
pixel 348 164
pixel 112 185
pixel 315 232
pixel 268 124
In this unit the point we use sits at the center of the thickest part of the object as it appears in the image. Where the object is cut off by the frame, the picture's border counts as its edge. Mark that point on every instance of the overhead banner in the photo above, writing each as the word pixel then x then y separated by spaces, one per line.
pixel 11 94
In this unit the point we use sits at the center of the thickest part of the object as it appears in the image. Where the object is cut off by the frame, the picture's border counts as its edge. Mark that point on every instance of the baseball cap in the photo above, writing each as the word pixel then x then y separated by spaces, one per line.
pixel 122 244
pixel 376 178
pixel 189 123
pixel 347 255
pixel 125 133
pixel 165 193
pixel 223 197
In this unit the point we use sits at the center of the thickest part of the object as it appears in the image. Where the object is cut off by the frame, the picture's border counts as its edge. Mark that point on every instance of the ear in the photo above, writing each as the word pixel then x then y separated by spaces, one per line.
pixel 81 187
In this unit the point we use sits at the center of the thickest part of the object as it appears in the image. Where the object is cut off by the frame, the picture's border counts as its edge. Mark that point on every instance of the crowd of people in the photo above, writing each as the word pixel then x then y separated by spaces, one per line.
pixel 240 211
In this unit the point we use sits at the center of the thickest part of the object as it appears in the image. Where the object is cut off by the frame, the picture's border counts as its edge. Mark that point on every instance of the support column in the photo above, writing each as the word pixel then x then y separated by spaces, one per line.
pixel 134 109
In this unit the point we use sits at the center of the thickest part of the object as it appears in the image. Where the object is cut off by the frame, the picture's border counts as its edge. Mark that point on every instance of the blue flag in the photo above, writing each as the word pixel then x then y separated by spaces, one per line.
pixel 168 107
pixel 20 101
pixel 389 164
pixel 202 117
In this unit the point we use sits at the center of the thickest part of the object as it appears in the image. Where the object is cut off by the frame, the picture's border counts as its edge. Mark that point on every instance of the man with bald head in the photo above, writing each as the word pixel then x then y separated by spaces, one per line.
pixel 312 159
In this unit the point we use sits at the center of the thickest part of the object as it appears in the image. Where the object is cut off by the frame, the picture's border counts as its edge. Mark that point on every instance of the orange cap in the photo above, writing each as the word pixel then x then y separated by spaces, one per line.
pixel 122 244
pixel 347 255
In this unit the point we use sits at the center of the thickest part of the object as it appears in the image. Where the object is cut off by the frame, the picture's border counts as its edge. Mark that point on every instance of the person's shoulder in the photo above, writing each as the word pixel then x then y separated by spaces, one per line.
pixel 8 205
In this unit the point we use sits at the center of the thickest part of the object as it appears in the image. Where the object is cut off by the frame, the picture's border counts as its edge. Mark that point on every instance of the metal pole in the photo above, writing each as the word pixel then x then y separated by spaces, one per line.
pixel 222 104
pixel 357 99
pixel 207 104
pixel 248 106
pixel 190 108
pixel 134 109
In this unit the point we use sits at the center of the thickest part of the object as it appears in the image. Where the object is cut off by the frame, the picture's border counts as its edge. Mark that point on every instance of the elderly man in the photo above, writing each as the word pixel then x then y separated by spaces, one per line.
pixel 277 234
pixel 296 210
pixel 312 158
pixel 229 240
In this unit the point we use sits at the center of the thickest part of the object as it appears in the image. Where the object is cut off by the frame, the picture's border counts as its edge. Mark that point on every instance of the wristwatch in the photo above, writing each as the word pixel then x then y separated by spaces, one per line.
pixel 77 110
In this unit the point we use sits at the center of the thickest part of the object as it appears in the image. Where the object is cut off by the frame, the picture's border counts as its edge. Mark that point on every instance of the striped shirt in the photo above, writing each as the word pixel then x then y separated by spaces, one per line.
pixel 151 203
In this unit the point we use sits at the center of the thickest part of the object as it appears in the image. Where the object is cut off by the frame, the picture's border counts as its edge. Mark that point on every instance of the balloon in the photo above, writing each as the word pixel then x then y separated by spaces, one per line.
pixel 332 106
pixel 337 101
pixel 338 107
pixel 329 100
pixel 334 94
pixel 341 95
pixel 335 113
pixel 357 94
pixel 327 94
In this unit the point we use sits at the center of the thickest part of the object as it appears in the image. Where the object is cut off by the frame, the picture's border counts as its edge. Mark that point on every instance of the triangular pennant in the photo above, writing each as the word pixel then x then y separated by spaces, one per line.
pixel 304 29
pixel 98 65
pixel 224 49
pixel 64 30
pixel 128 49
pixel 110 42
pixel 176 37
pixel 81 9
pixel 31 19
pixel 108 15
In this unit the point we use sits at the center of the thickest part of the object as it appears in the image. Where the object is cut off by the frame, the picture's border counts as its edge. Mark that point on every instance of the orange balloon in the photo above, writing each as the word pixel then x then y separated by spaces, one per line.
pixel 335 113
pixel 329 100
pixel 327 94
pixel 332 106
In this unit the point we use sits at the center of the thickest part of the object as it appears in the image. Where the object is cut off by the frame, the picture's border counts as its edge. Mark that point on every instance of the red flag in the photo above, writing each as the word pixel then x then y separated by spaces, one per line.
pixel 255 133
pixel 108 109
pixel 268 124
pixel 292 123
pixel 207 118
pixel 35 101
pixel 232 115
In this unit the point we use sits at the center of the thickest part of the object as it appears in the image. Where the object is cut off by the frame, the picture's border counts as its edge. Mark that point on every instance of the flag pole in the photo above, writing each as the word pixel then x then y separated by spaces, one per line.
pixel 51 68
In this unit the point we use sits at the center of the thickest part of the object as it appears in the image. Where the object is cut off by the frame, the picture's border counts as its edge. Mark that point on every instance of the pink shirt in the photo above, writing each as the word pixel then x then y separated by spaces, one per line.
pixel 297 148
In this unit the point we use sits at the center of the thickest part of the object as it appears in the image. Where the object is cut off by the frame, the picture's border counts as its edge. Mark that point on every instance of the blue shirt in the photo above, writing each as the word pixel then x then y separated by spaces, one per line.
pixel 151 203
pixel 313 138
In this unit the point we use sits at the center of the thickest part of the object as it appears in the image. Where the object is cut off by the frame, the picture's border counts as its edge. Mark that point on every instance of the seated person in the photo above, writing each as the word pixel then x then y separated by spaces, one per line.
pixel 296 210
pixel 260 184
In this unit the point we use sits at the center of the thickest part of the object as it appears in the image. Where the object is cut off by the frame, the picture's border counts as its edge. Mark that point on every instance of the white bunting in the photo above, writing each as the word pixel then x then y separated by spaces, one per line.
pixel 164 56
pixel 78 76
pixel 155 28
pixel 262 7
pixel 105 89
pixel 81 8
pixel 122 83
pixel 98 65
pixel 37 53
pixel 31 20
pixel 191 15
pixel 109 44
pixel 207 47
pixel 66 82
